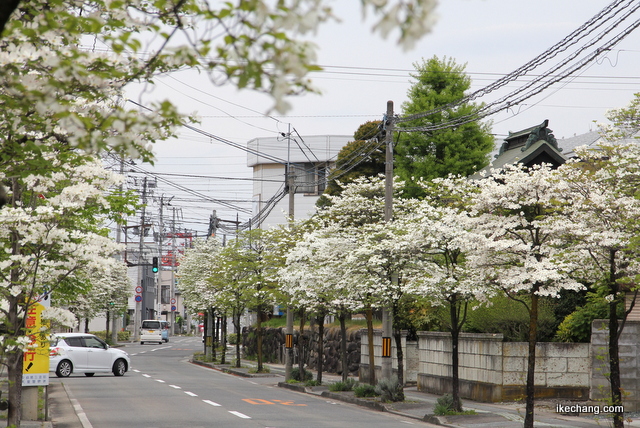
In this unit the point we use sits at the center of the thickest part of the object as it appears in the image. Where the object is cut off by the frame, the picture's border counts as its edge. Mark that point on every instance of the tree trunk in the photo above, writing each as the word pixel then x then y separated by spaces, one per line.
pixel 372 359
pixel 455 356
pixel 301 347
pixel 614 348
pixel 223 356
pixel 531 361
pixel 236 324
pixel 320 347
pixel 343 345
pixel 397 334
pixel 259 338
pixel 108 319
pixel 14 361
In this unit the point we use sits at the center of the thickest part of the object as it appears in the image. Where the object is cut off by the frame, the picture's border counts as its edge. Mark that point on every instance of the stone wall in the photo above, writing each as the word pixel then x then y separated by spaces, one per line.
pixel 273 347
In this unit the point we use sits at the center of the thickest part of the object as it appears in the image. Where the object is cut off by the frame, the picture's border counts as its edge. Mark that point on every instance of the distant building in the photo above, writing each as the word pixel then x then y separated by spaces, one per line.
pixel 310 157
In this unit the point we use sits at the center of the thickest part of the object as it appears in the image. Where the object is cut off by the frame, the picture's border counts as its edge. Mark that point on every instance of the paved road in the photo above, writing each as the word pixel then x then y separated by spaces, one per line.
pixel 164 390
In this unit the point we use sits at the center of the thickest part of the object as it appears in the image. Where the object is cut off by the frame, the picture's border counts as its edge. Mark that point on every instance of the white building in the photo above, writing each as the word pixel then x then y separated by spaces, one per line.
pixel 310 157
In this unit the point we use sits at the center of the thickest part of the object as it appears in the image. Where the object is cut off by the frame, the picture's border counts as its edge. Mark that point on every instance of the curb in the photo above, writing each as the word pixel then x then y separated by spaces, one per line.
pixel 243 371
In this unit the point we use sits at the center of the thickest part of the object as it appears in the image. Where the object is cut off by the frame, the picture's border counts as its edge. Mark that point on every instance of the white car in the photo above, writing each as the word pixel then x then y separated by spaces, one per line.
pixel 151 331
pixel 85 353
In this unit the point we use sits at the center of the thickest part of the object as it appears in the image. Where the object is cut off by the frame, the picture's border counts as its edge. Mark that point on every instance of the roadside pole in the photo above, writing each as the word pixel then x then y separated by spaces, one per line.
pixel 288 343
pixel 388 215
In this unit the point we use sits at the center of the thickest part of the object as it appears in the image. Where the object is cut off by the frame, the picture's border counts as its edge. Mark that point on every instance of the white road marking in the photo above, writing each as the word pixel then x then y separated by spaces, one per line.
pixel 137 371
pixel 191 394
pixel 175 386
pixel 146 375
pixel 159 380
pixel 240 415
pixel 212 403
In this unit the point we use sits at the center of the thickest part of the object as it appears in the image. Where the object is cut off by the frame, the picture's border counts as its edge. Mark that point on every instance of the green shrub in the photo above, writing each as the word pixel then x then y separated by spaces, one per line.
pixel 576 327
pixel 509 317
pixel 124 336
pixel 295 374
pixel 390 390
pixel 343 386
pixel 312 383
pixel 444 405
pixel 232 338
pixel 365 390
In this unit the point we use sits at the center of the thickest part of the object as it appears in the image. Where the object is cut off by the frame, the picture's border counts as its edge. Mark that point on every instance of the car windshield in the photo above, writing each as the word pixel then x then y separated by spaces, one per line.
pixel 151 325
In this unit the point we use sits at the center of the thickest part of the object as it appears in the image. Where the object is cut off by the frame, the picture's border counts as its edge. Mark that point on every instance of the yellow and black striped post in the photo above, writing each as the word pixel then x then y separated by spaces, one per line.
pixel 288 341
pixel 386 347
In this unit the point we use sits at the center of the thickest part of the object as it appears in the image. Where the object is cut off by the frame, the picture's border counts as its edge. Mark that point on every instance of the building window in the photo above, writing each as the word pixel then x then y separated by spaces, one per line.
pixel 310 178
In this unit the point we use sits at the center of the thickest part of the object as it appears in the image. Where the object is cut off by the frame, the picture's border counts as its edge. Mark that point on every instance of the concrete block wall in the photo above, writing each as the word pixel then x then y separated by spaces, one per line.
pixel 492 370
pixel 629 345
pixel 410 357
pixel 557 364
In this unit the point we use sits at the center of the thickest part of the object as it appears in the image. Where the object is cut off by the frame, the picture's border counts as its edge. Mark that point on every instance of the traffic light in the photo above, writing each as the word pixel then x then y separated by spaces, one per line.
pixel 154 265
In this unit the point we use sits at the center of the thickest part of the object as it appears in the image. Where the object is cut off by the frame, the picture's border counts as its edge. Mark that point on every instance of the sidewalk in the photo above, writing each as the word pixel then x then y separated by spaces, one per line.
pixel 419 405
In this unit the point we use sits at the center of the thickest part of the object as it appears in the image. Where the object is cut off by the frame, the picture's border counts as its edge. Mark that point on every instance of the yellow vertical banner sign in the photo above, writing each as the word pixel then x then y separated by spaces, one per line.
pixel 35 368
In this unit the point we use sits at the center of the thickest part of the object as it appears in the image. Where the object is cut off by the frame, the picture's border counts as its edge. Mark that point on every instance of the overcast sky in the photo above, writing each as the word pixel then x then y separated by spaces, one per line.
pixel 362 72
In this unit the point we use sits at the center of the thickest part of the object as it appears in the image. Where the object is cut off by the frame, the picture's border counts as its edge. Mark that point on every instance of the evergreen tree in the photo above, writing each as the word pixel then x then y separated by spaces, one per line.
pixel 462 149
pixel 366 152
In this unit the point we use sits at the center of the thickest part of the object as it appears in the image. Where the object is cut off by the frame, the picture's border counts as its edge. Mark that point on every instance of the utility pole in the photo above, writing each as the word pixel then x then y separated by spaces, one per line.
pixel 141 266
pixel 288 345
pixel 119 257
pixel 387 316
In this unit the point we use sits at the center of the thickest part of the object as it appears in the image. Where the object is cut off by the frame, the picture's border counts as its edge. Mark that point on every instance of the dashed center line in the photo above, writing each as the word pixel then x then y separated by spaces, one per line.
pixel 159 380
pixel 175 386
pixel 146 375
pixel 191 393
pixel 212 403
pixel 240 415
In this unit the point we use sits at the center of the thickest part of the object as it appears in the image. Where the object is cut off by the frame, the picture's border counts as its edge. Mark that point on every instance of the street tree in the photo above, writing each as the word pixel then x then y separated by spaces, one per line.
pixel 440 225
pixel 106 293
pixel 625 122
pixel 51 235
pixel 317 280
pixel 380 261
pixel 198 267
pixel 601 199
pixel 517 246
pixel 460 150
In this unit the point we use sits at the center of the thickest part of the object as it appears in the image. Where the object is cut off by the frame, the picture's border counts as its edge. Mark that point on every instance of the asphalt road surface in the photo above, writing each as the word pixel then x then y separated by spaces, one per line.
pixel 162 389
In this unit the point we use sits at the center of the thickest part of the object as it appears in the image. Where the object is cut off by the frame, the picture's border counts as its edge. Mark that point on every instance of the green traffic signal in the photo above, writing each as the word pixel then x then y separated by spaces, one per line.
pixel 154 265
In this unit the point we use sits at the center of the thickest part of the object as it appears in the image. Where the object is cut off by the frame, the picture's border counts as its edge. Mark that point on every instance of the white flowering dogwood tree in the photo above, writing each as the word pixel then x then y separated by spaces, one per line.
pixel 382 258
pixel 317 280
pixel 198 270
pixel 514 216
pixel 600 197
pixel 99 292
pixel 440 225
pixel 51 236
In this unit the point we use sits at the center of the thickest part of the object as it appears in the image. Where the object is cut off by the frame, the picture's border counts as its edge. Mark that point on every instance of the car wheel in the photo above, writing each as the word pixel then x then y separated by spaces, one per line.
pixel 65 368
pixel 89 374
pixel 142 343
pixel 119 367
